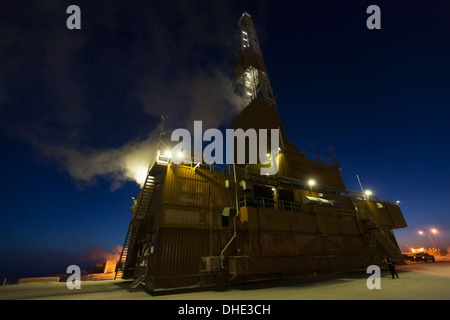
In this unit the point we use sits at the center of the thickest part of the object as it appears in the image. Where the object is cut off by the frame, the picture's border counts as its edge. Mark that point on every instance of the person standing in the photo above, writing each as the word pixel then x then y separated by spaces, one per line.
pixel 391 267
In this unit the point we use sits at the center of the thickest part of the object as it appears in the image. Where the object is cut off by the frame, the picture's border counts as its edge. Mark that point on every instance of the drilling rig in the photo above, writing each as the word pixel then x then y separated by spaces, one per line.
pixel 202 225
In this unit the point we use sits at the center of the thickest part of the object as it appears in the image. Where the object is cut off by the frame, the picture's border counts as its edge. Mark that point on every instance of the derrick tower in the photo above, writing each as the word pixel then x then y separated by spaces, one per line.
pixel 251 70
pixel 260 111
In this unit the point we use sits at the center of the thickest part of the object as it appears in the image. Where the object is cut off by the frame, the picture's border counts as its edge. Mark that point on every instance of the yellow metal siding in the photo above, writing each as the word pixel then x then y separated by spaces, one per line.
pixel 396 216
pixel 183 186
pixel 328 224
pixel 348 226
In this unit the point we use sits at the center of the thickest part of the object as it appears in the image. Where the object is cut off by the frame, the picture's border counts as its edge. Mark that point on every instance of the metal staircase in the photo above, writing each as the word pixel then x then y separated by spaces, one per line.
pixel 139 210
pixel 376 236
pixel 139 213
pixel 130 238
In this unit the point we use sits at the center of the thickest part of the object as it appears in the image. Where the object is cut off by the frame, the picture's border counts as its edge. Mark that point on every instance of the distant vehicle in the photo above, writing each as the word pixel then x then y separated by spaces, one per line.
pixel 408 257
pixel 423 256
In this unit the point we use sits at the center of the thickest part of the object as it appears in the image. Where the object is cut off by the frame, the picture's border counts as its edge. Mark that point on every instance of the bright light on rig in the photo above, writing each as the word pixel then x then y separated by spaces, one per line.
pixel 311 182
pixel 168 154
pixel 368 192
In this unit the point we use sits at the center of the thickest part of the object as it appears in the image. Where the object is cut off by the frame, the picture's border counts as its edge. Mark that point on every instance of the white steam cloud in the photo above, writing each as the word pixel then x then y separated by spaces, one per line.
pixel 66 90
pixel 119 165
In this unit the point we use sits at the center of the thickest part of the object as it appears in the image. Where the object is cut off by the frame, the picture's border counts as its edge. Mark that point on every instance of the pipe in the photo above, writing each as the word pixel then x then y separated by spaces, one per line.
pixel 210 226
pixel 235 189
pixel 222 257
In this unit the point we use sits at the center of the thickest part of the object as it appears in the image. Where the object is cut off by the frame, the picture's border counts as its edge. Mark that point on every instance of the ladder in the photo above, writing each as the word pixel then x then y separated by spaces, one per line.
pixel 139 214
pixel 145 198
pixel 375 235
pixel 131 235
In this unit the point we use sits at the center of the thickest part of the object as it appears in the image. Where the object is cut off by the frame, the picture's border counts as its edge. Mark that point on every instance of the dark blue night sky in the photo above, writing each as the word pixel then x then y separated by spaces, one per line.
pixel 80 109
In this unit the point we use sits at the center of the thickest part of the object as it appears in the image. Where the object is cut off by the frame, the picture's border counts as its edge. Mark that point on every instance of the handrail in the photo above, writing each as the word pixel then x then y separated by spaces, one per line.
pixel 275 181
pixel 255 201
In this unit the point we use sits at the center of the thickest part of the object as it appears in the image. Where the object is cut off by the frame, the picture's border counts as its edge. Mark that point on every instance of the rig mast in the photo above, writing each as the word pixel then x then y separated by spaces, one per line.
pixel 251 70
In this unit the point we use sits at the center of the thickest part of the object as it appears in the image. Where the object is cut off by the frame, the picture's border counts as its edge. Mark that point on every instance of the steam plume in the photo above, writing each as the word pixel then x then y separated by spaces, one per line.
pixel 148 57
pixel 127 163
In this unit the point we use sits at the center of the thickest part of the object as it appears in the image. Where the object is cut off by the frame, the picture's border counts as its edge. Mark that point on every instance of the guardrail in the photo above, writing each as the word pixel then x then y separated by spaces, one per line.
pixel 244 172
pixel 283 205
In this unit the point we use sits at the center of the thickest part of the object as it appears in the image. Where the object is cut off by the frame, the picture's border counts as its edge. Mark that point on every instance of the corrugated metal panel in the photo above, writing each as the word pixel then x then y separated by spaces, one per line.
pixel 345 202
pixel 310 244
pixel 186 217
pixel 380 215
pixel 271 219
pixel 182 217
pixel 283 167
pixel 285 244
pixel 222 197
pixel 332 245
pixel 355 245
pixel 183 186
pixel 278 244
pixel 397 218
pixel 179 250
pixel 303 169
pixel 305 223
pixel 328 224
pixel 348 226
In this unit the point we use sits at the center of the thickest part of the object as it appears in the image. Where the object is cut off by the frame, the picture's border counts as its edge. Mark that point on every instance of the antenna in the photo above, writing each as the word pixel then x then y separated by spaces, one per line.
pixel 361 187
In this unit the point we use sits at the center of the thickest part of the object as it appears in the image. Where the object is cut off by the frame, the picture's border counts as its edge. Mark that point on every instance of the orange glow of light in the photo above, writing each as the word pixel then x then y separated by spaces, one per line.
pixel 110 266
pixel 112 259
pixel 106 258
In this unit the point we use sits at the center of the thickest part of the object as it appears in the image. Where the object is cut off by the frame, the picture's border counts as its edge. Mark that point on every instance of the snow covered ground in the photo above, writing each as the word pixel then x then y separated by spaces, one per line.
pixel 418 281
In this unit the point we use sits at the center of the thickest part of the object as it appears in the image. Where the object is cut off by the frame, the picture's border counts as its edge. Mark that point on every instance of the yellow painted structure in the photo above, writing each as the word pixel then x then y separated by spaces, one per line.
pixel 186 231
